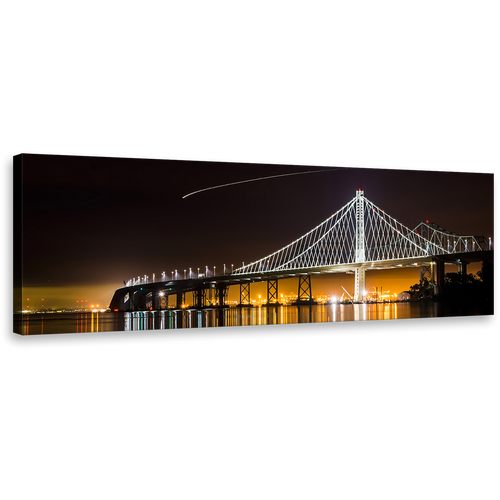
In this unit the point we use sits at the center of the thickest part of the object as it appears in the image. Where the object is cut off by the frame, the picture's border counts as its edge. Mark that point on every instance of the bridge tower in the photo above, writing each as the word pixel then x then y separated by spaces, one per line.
pixel 359 288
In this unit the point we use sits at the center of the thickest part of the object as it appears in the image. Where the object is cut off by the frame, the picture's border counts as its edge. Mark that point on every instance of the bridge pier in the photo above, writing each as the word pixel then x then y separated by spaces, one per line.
pixel 139 299
pixel 135 302
pixel 427 272
pixel 305 290
pixel 150 300
pixel 359 284
pixel 462 270
pixel 245 294
pixel 221 292
pixel 272 292
pixel 180 298
pixel 438 266
pixel 199 298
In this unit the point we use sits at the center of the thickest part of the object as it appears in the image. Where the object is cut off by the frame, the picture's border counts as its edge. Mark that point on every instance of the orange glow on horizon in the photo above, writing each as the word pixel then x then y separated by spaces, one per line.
pixel 395 280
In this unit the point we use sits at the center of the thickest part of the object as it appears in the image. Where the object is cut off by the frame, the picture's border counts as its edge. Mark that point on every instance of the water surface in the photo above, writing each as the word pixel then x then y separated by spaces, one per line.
pixel 41 324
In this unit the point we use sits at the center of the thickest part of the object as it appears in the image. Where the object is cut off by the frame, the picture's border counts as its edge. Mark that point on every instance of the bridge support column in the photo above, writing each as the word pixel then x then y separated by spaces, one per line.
pixel 462 270
pixel 156 300
pixel 221 295
pixel 439 283
pixel 359 284
pixel 199 298
pixel 180 296
pixel 427 272
pixel 305 290
pixel 150 300
pixel 272 292
pixel 245 294
pixel 131 301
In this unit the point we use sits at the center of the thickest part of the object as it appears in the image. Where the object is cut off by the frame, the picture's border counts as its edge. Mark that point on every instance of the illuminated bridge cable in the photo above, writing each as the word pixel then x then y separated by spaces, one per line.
pixel 259 179
pixel 333 242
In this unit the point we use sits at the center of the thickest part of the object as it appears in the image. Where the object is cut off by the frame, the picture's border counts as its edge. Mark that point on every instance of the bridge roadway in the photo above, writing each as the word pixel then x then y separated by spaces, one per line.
pixel 136 297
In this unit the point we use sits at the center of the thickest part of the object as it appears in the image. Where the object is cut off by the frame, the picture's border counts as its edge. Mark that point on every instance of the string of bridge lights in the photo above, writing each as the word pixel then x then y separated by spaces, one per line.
pixel 176 275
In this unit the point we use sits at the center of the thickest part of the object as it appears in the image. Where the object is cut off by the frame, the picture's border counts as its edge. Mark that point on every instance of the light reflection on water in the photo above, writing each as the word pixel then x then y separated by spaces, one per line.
pixel 35 324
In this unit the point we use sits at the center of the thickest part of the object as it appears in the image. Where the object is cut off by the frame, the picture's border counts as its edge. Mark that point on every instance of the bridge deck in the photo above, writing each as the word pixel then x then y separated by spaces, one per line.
pixel 172 287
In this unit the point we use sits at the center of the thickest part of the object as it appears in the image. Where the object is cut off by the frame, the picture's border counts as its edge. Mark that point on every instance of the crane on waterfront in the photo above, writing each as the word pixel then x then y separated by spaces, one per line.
pixel 347 293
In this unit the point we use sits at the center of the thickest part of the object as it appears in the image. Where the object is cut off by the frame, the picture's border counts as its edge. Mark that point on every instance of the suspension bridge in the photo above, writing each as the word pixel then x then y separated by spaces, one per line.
pixel 357 238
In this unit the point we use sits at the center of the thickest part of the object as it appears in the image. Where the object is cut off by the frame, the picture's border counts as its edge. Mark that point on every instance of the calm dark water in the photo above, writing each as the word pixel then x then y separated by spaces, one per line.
pixel 37 324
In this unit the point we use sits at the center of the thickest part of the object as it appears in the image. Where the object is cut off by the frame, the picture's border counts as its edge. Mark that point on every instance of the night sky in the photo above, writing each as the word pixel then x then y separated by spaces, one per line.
pixel 92 223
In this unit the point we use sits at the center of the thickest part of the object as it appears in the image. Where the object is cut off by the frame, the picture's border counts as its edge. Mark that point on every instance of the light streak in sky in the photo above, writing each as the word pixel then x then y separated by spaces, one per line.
pixel 258 179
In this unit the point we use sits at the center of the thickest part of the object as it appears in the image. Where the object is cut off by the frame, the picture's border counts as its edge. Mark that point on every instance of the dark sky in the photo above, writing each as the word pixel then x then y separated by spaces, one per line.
pixel 90 221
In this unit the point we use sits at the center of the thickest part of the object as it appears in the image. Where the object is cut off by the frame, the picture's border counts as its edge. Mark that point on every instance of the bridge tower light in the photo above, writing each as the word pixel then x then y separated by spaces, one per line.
pixel 190 273
pixel 224 269
pixel 184 274
pixel 489 245
pixel 198 272
pixel 214 270
pixel 232 265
